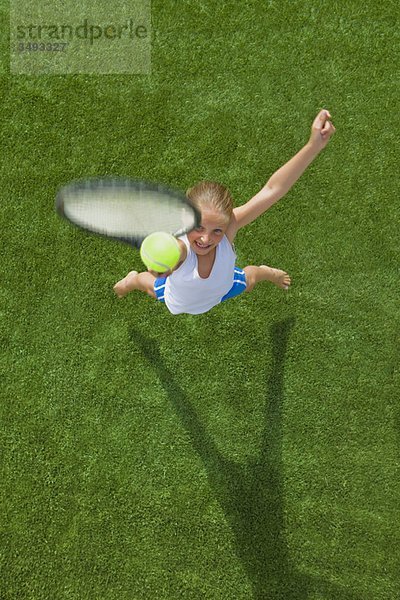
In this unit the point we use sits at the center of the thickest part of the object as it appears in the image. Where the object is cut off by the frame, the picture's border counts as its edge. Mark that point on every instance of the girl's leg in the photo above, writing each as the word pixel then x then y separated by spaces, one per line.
pixel 265 273
pixel 136 281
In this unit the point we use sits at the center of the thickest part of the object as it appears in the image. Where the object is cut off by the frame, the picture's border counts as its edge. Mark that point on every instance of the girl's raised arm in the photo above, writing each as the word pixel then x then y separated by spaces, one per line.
pixel 282 180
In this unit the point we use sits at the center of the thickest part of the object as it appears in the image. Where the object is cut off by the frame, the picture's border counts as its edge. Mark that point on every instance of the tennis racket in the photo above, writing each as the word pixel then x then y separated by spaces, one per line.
pixel 126 210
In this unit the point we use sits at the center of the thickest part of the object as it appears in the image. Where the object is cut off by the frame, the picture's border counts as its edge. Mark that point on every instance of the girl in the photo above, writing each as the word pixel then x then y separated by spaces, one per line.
pixel 206 273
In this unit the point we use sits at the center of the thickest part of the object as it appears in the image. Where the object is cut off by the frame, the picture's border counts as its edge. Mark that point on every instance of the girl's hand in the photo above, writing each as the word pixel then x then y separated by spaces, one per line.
pixel 321 130
pixel 156 274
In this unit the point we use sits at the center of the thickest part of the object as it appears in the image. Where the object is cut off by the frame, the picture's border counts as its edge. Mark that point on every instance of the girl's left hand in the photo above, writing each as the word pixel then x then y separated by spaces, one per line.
pixel 321 130
pixel 156 274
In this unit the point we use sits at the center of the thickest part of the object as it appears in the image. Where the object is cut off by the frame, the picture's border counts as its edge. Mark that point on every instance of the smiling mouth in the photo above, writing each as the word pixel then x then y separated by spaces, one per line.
pixel 201 246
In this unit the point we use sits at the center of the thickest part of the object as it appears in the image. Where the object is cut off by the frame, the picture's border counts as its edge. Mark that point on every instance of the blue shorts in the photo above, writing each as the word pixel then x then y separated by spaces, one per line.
pixel 239 285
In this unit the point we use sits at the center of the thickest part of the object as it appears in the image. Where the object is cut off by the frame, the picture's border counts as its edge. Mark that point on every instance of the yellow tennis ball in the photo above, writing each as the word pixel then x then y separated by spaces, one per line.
pixel 160 251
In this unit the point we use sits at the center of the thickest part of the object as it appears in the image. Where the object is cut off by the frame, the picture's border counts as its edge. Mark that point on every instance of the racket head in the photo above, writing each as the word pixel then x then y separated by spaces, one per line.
pixel 126 210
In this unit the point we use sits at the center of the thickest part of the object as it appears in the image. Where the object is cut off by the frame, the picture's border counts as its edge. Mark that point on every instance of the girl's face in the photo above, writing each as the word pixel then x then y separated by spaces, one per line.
pixel 210 232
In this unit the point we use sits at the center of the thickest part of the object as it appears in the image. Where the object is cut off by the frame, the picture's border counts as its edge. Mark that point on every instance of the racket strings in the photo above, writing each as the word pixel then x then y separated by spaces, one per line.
pixel 124 212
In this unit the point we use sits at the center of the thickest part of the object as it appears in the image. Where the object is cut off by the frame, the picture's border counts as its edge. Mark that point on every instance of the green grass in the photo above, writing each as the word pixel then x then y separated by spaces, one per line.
pixel 250 452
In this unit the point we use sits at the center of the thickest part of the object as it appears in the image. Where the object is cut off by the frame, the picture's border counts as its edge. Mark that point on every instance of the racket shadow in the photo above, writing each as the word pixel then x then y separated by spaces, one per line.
pixel 250 495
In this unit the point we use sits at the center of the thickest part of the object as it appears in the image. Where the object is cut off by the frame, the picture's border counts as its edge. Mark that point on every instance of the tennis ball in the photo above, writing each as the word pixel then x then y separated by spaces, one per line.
pixel 160 251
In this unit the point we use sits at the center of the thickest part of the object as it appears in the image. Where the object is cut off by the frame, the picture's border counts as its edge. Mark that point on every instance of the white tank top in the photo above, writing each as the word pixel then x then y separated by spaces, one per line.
pixel 187 292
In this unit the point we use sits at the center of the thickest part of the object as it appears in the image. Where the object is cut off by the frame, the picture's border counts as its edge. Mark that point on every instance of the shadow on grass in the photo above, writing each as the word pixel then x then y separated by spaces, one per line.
pixel 250 495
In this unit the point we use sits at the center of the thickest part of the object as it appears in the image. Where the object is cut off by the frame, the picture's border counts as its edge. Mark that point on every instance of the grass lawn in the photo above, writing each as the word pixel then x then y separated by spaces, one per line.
pixel 249 452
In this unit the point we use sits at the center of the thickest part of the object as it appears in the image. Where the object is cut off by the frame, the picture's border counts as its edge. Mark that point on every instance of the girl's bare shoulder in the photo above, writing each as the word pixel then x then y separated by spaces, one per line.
pixel 183 255
pixel 232 228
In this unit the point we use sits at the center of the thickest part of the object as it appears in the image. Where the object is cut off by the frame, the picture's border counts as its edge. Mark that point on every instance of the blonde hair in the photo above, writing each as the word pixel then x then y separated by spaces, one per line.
pixel 213 195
